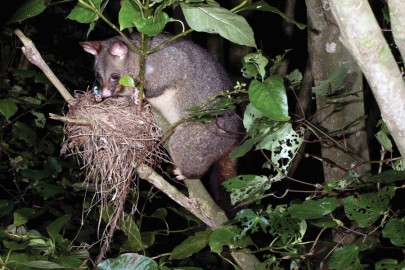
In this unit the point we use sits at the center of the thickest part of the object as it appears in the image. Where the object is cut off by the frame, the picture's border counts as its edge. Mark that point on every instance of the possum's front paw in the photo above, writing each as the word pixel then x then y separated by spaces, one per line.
pixel 179 174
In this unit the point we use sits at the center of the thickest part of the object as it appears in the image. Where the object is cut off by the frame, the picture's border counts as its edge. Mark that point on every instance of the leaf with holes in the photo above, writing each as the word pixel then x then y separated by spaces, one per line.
pixel 369 207
pixel 245 187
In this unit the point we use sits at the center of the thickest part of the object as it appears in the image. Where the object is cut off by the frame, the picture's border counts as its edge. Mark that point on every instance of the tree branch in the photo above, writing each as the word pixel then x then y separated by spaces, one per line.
pixel 361 34
pixel 397 18
pixel 35 58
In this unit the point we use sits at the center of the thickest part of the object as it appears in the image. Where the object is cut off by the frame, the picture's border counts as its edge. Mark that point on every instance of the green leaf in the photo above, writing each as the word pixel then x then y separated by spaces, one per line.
pixel 313 209
pixel 395 231
pixel 45 265
pixel 48 190
pixel 40 119
pixel 25 133
pixel 245 187
pixel 283 142
pixel 282 225
pixel 19 219
pixel 12 246
pixel 127 81
pixel 334 83
pixel 270 98
pixel 56 226
pixel 367 208
pixel 388 176
pixel 129 14
pixel 191 245
pixel 131 261
pixel 5 207
pixel 263 6
pixel 245 147
pixel 325 222
pixel 29 9
pixel 251 221
pixel 131 230
pixel 295 78
pixel 250 115
pixel 389 264
pixel 384 140
pixel 346 258
pixel 8 108
pixel 227 235
pixel 83 14
pixel 36 174
pixel 219 21
pixel 152 26
pixel 253 64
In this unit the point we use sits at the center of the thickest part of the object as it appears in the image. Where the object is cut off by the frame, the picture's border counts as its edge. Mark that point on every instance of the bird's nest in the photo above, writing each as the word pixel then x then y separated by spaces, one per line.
pixel 111 139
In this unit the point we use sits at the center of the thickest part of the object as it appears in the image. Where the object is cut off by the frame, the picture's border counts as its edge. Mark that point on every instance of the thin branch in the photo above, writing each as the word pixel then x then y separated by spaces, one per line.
pixel 35 58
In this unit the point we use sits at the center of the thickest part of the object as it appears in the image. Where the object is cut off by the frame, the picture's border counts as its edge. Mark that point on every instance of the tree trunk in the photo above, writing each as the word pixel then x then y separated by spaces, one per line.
pixel 327 54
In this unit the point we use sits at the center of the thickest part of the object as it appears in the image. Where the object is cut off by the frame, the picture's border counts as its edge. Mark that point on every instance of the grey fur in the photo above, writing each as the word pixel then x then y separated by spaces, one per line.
pixel 177 76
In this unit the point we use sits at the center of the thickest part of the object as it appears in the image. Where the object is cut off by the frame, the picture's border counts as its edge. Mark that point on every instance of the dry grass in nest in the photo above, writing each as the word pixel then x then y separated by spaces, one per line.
pixel 111 146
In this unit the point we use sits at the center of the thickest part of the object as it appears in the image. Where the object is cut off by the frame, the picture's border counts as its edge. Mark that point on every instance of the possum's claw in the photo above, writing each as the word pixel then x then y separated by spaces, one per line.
pixel 179 174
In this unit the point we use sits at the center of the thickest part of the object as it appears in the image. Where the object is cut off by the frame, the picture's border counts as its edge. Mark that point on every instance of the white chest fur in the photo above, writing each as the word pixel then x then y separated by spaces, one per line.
pixel 166 104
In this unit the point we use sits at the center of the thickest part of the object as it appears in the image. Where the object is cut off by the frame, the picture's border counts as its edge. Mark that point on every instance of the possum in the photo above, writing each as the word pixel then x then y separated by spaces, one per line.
pixel 177 76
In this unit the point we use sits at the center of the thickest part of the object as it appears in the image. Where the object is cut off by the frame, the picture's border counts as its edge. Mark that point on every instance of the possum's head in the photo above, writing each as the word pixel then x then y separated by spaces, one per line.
pixel 113 59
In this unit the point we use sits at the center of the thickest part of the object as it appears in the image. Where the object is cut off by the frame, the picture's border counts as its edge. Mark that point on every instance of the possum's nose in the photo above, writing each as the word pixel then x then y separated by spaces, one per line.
pixel 106 92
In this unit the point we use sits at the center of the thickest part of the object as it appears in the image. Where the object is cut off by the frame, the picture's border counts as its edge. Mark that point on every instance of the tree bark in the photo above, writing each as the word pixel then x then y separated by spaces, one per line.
pixel 397 16
pixel 361 34
pixel 327 54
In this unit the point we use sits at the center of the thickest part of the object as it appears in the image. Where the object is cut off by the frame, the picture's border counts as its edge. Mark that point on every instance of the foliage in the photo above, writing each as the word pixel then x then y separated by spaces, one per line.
pixel 42 223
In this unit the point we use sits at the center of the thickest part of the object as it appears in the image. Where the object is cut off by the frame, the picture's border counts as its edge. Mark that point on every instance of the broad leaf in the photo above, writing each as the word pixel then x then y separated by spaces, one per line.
pixel 388 176
pixel 191 245
pixel 220 21
pixel 263 6
pixel 82 14
pixel 153 25
pixel 346 258
pixel 129 14
pixel 270 98
pixel 29 9
pixel 131 261
pixel 56 226
pixel 246 187
pixel 25 133
pixel 45 265
pixel 227 235
pixel 8 108
pixel 253 64
pixel 283 225
pixel 369 207
pixel 313 209
pixel 395 231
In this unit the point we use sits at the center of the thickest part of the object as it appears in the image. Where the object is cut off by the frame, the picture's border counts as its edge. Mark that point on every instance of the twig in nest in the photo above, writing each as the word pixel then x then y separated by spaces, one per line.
pixel 111 141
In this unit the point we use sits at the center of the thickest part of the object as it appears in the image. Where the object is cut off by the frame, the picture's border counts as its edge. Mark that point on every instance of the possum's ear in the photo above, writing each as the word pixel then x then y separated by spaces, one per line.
pixel 92 47
pixel 118 49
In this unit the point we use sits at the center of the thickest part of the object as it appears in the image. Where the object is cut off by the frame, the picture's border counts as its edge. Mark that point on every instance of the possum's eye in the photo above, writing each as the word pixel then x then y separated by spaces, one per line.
pixel 115 77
